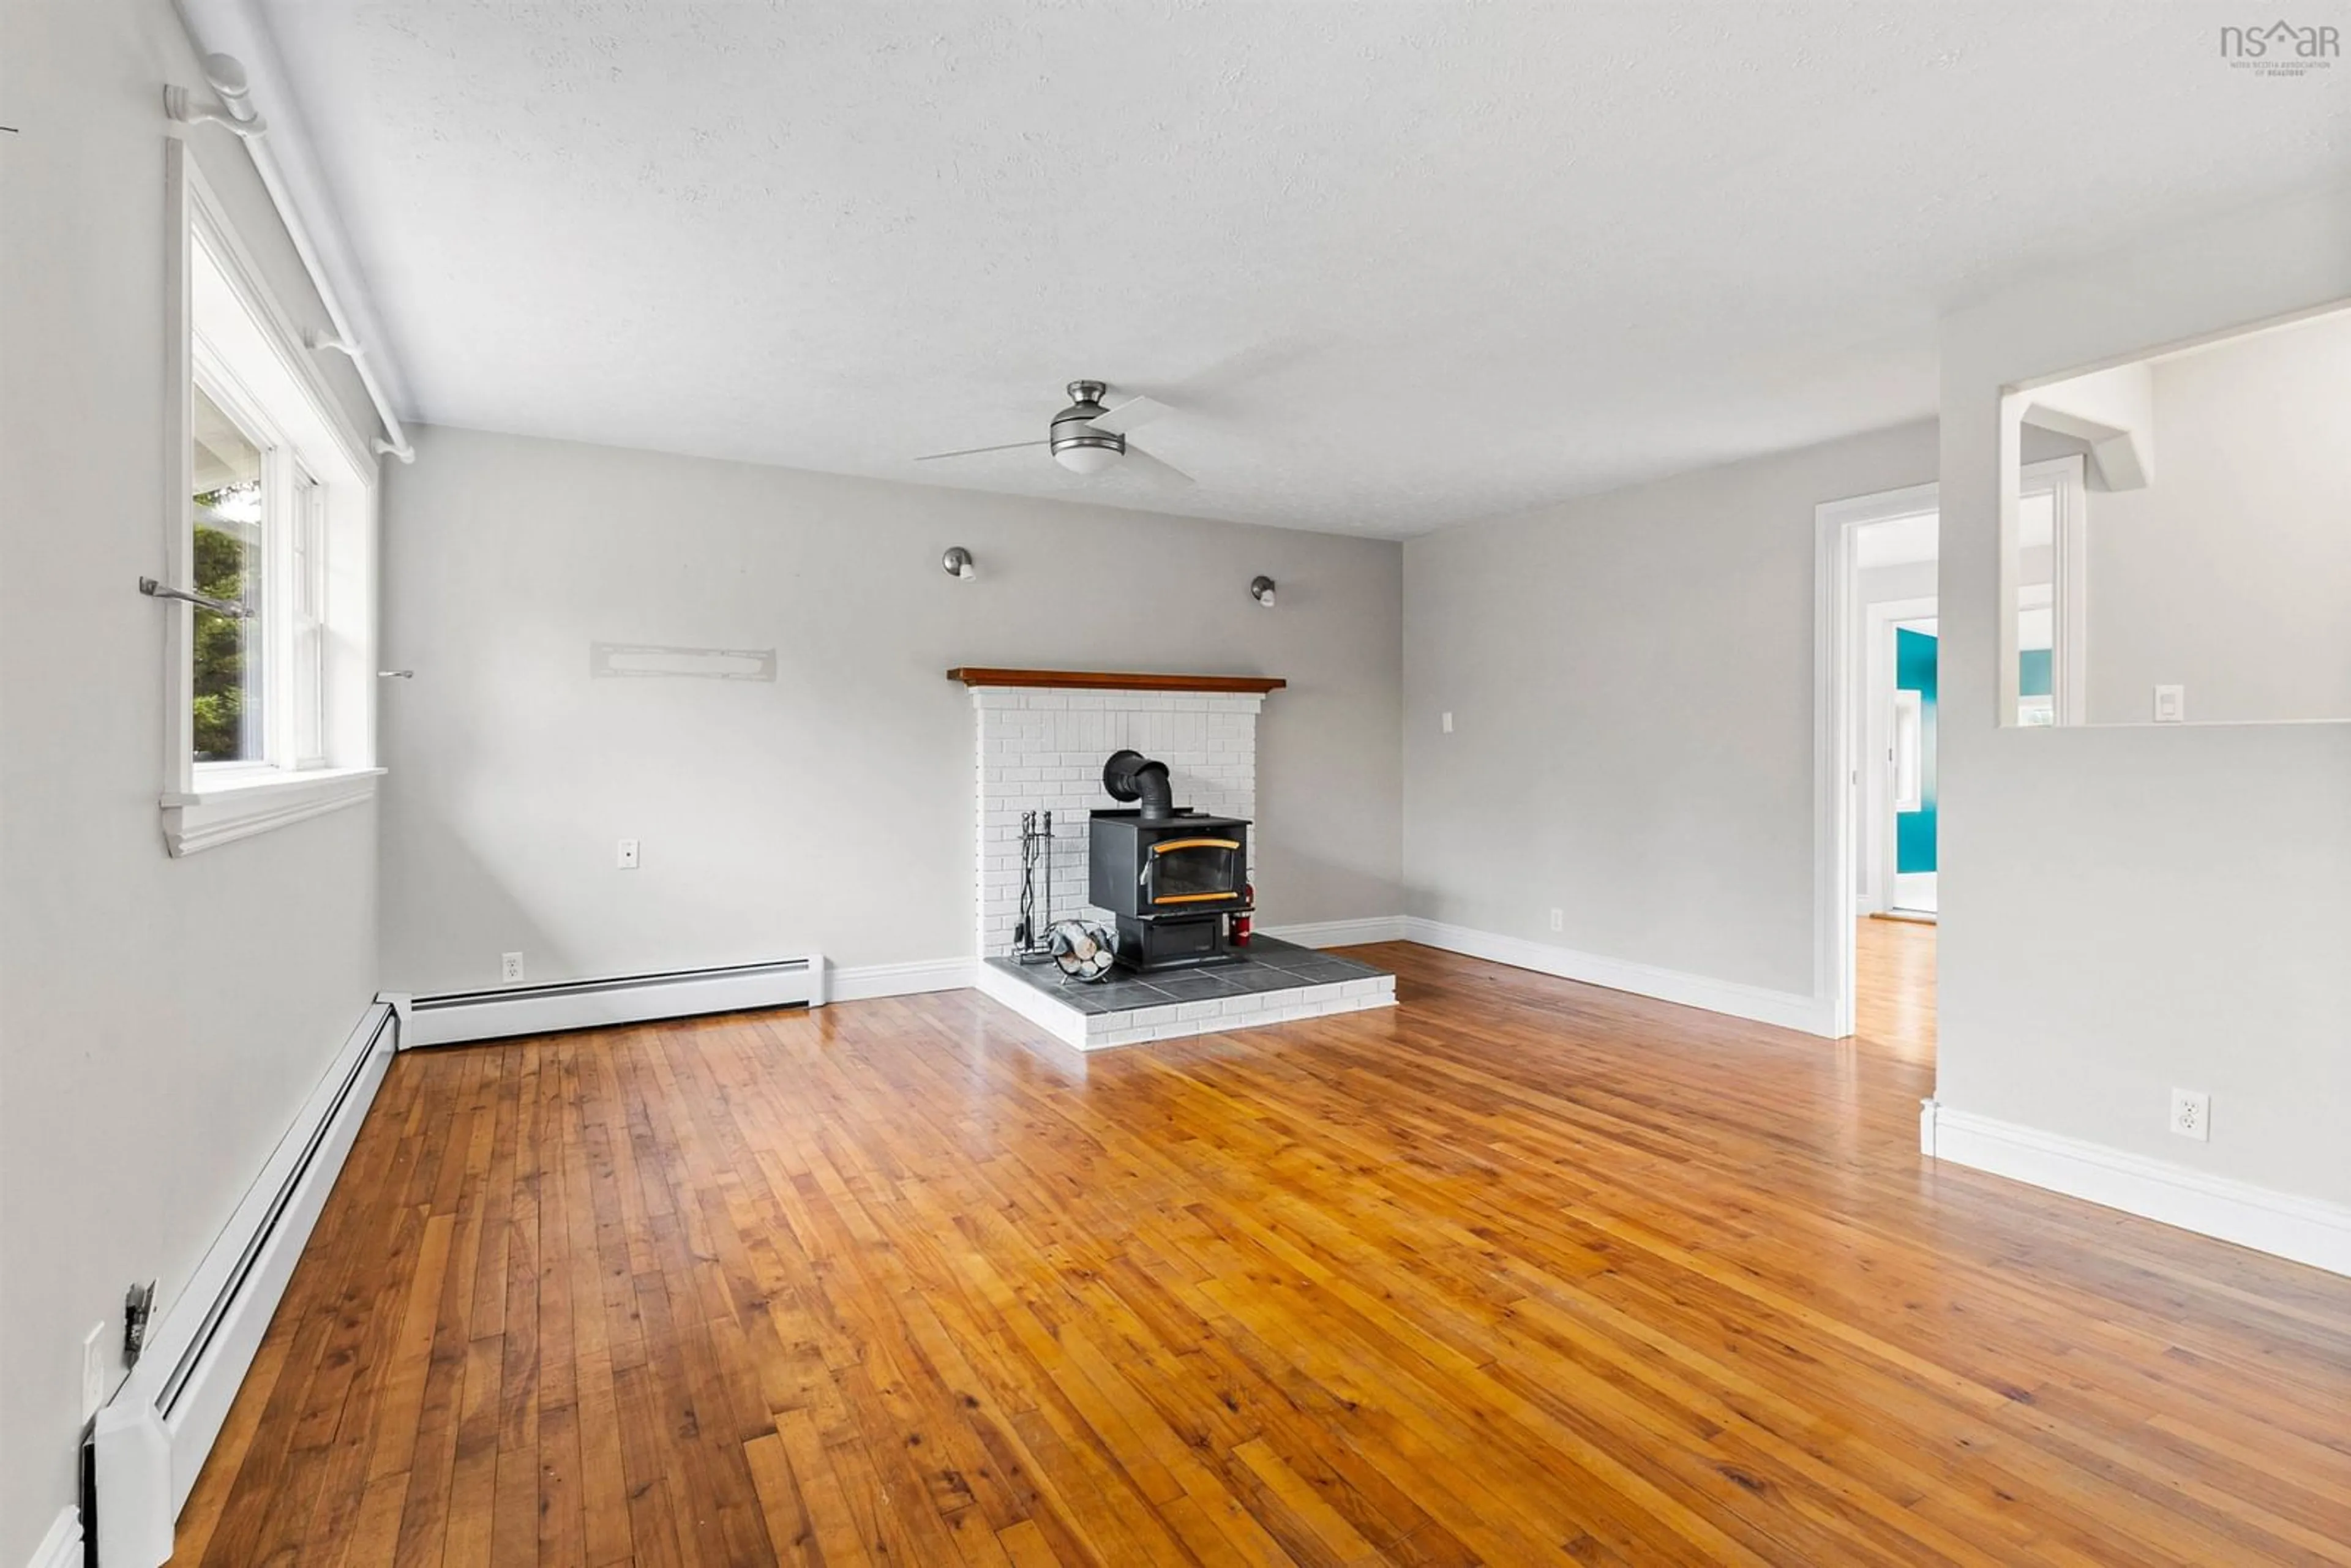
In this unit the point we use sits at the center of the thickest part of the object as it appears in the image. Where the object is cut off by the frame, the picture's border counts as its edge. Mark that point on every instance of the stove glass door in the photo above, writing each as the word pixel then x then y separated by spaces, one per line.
pixel 1184 873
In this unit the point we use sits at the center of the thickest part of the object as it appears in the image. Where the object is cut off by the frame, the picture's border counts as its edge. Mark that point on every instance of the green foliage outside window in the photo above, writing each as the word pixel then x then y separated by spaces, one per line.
pixel 221 561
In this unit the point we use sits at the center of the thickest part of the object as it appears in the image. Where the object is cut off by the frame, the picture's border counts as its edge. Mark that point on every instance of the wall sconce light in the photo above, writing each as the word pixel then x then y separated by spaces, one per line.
pixel 959 564
pixel 1261 590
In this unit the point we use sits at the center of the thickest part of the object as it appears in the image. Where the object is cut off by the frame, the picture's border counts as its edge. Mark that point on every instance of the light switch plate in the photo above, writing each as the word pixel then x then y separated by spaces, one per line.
pixel 2171 704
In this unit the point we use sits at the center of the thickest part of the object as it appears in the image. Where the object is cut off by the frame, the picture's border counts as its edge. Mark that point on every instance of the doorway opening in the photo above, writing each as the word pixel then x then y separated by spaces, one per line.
pixel 1882 863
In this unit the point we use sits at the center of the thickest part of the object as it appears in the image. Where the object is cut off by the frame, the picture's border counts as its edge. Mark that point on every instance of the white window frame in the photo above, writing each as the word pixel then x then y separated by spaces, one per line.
pixel 318 476
pixel 292 615
pixel 219 383
pixel 304 544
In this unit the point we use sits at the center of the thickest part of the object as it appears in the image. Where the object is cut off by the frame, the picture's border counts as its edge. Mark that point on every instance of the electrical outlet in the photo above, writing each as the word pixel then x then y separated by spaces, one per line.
pixel 2171 704
pixel 510 967
pixel 1448 721
pixel 93 1370
pixel 2191 1114
pixel 1559 920
pixel 627 857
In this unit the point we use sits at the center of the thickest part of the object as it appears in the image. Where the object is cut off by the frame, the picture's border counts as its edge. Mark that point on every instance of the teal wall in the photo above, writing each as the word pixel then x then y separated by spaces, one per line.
pixel 2033 666
pixel 1914 655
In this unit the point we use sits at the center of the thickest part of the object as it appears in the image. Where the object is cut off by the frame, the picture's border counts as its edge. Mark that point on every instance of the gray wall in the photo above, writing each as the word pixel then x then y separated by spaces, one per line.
pixel 160 1020
pixel 2230 573
pixel 833 808
pixel 1631 680
pixel 2128 910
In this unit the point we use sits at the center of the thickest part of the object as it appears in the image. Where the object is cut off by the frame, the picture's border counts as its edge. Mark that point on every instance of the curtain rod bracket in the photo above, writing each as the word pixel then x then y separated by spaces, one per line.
pixel 182 109
pixel 226 77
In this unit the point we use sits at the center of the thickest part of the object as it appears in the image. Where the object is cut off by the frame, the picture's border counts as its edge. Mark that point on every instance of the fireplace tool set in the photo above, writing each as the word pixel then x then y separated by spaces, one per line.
pixel 1081 949
pixel 1032 938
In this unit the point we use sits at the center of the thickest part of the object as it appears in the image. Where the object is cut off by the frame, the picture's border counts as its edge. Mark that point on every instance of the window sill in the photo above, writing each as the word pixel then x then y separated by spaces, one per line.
pixel 222 812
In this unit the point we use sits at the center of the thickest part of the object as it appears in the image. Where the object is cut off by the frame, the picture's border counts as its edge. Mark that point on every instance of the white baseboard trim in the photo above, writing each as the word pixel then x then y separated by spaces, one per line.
pixel 152 1438
pixel 61 1547
pixel 401 1003
pixel 2305 1230
pixel 1340 932
pixel 1784 1008
pixel 868 982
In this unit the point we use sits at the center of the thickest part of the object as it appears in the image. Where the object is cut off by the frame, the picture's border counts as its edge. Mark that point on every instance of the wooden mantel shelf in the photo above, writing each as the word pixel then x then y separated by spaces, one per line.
pixel 1098 680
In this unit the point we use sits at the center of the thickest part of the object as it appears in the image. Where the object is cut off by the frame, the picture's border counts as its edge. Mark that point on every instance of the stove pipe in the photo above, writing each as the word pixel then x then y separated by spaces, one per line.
pixel 1131 776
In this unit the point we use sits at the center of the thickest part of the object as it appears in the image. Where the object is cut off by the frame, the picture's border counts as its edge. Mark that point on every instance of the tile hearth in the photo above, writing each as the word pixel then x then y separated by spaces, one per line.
pixel 1277 982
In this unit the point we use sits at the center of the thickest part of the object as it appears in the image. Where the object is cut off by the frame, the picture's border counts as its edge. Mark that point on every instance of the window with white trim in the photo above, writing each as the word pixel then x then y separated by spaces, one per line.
pixel 229 517
pixel 272 535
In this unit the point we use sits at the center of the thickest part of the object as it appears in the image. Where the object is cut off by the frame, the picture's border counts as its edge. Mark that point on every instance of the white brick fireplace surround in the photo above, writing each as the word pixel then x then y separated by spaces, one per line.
pixel 1043 737
pixel 1042 749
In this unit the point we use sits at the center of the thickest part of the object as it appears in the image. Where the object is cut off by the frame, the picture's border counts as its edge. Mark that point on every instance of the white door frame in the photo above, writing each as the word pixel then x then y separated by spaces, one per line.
pixel 2064 479
pixel 1875 824
pixel 1835 744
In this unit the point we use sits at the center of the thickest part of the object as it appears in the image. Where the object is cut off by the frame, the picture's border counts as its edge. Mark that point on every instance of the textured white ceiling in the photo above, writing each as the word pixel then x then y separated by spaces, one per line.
pixel 1399 264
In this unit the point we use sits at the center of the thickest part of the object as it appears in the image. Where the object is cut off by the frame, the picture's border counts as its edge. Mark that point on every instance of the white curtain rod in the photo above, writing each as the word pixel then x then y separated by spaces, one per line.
pixel 236 114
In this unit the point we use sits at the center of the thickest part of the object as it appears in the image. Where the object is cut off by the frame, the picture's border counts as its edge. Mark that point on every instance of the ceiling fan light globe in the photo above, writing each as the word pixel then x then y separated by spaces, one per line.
pixel 1085 459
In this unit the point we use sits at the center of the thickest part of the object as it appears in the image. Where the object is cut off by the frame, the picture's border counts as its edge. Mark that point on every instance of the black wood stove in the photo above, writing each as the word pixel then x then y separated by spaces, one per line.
pixel 1171 878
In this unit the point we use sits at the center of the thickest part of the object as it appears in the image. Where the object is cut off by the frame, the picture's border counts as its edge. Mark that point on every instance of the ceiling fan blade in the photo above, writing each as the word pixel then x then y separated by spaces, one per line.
pixel 1132 414
pixel 1154 467
pixel 975 451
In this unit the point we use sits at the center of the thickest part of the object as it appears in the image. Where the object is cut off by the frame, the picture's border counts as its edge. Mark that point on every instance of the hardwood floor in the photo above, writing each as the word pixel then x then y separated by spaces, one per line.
pixel 1894 993
pixel 1520 1271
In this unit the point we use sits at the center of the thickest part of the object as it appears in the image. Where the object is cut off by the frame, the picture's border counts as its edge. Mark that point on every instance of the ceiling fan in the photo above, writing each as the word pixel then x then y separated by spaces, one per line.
pixel 1087 438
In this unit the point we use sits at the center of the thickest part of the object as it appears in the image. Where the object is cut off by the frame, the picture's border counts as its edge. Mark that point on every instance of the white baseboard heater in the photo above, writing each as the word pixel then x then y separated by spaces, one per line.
pixel 152 1438
pixel 456 1016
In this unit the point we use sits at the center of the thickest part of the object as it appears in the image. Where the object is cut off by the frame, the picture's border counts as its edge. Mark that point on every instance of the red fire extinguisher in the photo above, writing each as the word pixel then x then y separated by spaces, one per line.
pixel 1241 916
